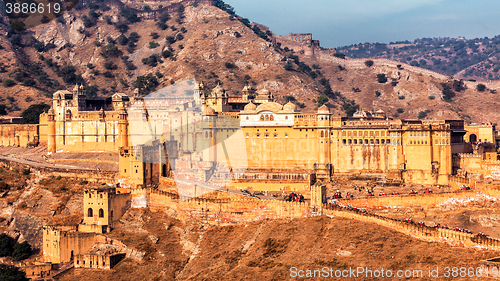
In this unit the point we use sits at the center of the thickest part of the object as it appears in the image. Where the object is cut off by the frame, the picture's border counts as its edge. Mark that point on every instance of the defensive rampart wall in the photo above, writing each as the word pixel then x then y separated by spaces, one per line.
pixel 431 234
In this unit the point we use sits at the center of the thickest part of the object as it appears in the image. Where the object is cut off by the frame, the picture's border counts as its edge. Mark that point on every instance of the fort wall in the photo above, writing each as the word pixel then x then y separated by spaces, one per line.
pixel 226 210
pixel 427 200
pixel 37 270
pixel 430 234
pixel 61 244
pixel 97 261
pixel 241 210
pixel 19 135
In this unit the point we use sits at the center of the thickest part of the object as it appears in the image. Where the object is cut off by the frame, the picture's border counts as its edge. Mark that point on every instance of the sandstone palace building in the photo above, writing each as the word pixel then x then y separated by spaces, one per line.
pixel 244 141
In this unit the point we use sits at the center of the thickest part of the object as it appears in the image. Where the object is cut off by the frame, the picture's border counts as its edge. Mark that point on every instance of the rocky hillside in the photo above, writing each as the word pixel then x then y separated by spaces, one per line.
pixel 476 59
pixel 29 201
pixel 108 50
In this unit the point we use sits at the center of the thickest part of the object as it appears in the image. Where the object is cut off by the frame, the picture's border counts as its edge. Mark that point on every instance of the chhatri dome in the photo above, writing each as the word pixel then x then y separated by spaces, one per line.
pixel 323 109
pixel 250 106
pixel 289 106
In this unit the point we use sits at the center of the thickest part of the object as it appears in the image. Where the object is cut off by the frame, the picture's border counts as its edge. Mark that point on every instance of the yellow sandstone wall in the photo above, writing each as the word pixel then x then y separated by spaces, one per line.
pixel 60 244
pixel 34 271
pixel 429 200
pixel 226 210
pixel 104 207
pixel 18 135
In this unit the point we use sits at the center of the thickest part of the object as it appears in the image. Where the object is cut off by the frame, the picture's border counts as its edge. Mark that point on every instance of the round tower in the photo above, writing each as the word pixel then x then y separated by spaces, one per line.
pixel 323 131
pixel 123 128
pixel 51 131
pixel 210 133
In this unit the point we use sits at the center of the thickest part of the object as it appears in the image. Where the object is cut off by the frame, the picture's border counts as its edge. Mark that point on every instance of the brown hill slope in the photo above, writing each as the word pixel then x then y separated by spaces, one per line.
pixel 205 43
pixel 212 46
pixel 267 250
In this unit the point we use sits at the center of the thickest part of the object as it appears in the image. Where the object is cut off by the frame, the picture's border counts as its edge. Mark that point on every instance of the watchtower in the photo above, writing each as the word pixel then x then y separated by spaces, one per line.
pixel 102 207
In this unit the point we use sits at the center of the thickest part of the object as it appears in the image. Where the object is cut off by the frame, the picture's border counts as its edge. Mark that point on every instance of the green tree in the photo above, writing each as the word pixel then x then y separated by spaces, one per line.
pixel 18 26
pixel 29 82
pixel 32 114
pixel 21 251
pixel 6 245
pixel 3 109
pixel 321 100
pixel 122 40
pixel 11 273
pixel 339 55
pixel 225 7
pixel 146 83
pixel 121 26
pixel 381 78
pixel 350 107
pixel 229 65
pixel 68 74
pixel 447 92
pixel 134 37
pixel 153 45
pixel 170 39
pixel 110 50
pixel 110 65
pixel 8 83
pixel 288 66
pixel 481 87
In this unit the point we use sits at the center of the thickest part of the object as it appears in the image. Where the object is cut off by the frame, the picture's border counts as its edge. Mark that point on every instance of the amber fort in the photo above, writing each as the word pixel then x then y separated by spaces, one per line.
pixel 209 150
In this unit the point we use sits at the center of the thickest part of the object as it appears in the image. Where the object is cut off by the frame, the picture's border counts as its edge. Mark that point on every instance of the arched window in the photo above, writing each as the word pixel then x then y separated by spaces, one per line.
pixel 258 135
pixel 262 118
pixel 322 134
pixel 286 135
pixel 247 135
pixel 267 117
pixel 90 213
pixel 90 195
pixel 275 135
pixel 101 213
pixel 286 117
pixel 271 118
pixel 247 117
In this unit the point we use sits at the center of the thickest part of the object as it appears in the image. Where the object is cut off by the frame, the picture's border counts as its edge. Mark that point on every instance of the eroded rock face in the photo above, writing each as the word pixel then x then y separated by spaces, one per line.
pixel 29 226
pixel 41 202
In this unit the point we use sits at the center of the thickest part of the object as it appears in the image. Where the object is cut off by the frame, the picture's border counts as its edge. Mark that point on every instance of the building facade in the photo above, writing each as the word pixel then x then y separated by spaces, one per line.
pixel 247 140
